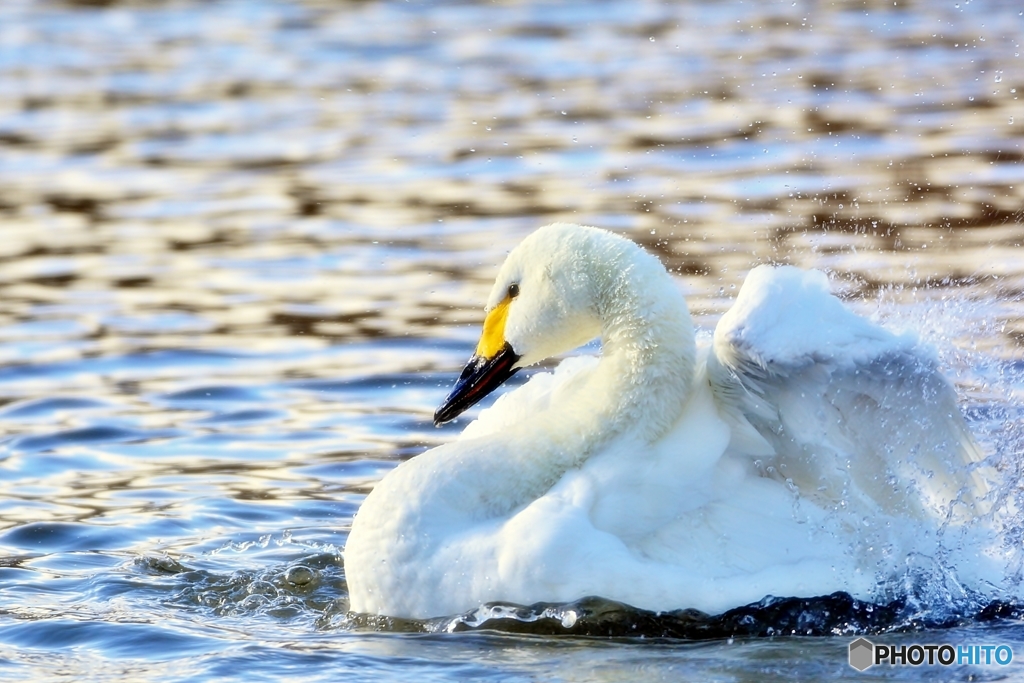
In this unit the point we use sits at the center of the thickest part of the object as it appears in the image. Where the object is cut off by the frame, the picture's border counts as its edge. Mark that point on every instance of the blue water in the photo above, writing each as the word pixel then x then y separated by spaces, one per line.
pixel 244 248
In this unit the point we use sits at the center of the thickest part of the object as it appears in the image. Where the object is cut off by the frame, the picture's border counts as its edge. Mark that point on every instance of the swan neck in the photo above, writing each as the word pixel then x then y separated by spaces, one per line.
pixel 648 351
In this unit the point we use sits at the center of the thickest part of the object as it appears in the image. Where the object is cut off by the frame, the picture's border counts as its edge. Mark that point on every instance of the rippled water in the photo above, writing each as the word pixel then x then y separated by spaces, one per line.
pixel 244 248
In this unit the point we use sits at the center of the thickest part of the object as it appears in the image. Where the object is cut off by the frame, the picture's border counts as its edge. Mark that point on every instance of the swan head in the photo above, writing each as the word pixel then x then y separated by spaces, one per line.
pixel 547 299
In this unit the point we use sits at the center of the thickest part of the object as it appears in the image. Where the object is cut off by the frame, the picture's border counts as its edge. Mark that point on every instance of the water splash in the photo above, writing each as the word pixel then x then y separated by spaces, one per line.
pixel 305 589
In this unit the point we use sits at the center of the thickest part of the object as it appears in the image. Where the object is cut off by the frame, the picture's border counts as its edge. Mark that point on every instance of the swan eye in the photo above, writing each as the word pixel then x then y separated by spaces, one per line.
pixel 513 290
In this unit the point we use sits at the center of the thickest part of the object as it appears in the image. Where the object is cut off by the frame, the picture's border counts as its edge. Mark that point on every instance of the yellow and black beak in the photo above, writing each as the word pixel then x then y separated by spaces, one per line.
pixel 492 364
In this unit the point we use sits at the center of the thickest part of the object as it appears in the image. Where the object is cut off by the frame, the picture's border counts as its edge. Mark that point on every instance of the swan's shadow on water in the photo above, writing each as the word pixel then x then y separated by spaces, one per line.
pixel 314 590
pixel 835 614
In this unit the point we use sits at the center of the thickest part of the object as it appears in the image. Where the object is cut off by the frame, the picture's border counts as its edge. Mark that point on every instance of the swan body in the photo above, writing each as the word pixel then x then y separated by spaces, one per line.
pixel 806 450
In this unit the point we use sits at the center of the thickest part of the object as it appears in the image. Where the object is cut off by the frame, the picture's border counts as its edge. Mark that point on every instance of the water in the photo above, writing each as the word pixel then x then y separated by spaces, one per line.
pixel 245 248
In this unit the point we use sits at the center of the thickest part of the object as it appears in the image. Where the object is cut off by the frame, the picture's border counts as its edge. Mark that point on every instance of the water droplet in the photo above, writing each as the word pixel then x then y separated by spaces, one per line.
pixel 1011 120
pixel 652 39
pixel 999 77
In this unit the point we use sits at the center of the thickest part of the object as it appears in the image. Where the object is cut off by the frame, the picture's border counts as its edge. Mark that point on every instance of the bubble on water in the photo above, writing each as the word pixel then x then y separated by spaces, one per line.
pixel 300 575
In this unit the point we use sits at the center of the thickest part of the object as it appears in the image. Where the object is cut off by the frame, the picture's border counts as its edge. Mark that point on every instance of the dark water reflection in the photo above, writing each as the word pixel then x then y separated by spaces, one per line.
pixel 244 247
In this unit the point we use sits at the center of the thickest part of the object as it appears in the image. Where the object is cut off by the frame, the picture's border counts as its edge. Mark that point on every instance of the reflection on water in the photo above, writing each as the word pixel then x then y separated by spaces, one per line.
pixel 244 247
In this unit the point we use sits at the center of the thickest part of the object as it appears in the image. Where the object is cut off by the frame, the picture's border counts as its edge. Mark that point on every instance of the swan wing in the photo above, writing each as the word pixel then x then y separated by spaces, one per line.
pixel 852 413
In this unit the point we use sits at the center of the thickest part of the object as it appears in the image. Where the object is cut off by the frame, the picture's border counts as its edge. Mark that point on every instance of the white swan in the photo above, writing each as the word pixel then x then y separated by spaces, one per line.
pixel 807 451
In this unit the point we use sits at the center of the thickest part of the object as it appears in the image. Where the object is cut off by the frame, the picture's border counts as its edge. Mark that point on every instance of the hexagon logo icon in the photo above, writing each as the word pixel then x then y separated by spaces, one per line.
pixel 862 654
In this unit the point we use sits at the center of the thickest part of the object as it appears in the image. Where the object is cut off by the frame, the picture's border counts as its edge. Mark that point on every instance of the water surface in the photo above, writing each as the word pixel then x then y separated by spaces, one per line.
pixel 244 248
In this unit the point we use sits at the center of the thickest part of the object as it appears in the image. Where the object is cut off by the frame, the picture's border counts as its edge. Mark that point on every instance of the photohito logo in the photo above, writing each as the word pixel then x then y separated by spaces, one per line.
pixel 864 653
